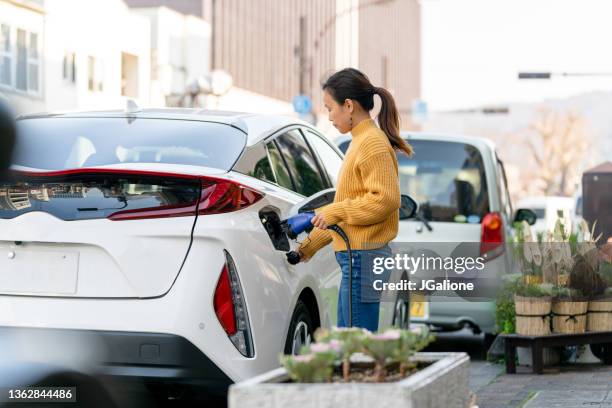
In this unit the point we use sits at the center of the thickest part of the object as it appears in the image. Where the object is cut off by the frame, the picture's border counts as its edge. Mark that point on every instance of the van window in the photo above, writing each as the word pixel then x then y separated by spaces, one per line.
pixel 447 179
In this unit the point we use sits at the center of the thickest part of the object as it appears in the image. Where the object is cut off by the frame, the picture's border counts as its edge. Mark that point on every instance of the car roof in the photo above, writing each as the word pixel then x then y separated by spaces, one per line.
pixel 255 126
pixel 479 142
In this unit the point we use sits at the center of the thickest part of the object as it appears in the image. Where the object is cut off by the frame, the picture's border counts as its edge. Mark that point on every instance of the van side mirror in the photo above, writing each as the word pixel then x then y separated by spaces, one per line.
pixel 408 207
pixel 525 214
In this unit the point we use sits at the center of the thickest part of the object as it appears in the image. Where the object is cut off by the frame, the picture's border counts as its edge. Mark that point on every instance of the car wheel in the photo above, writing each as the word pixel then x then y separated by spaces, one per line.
pixel 301 329
pixel 401 311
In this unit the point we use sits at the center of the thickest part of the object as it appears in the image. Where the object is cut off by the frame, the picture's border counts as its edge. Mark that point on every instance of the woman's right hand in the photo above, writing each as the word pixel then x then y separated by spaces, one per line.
pixel 319 222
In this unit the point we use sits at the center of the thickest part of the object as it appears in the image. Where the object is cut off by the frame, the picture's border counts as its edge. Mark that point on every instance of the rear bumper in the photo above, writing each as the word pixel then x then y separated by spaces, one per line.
pixel 154 357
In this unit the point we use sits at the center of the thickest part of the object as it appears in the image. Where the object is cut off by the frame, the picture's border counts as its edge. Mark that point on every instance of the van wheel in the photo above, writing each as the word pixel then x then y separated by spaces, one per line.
pixel 301 330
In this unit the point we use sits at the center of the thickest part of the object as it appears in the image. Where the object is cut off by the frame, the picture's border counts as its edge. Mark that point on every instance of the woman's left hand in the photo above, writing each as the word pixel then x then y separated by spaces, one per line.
pixel 319 222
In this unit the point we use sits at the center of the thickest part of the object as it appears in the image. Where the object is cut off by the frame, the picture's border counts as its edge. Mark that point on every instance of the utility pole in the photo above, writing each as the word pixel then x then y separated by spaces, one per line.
pixel 302 56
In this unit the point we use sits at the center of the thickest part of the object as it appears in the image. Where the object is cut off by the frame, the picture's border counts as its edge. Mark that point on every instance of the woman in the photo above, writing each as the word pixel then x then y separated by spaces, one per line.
pixel 367 197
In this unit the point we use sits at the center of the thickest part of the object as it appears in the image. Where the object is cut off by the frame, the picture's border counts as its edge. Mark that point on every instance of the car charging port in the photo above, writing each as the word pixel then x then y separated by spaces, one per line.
pixel 272 223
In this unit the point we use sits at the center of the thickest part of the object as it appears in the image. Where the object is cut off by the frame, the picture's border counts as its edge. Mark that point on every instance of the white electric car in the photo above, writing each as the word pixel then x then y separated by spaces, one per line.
pixel 156 233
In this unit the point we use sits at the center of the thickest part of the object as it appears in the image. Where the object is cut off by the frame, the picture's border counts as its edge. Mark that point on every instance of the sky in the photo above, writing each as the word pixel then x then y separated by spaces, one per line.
pixel 472 50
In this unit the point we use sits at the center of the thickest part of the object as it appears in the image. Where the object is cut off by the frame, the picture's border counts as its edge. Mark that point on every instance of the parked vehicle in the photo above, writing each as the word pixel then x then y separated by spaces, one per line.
pixel 157 233
pixel 548 210
pixel 460 185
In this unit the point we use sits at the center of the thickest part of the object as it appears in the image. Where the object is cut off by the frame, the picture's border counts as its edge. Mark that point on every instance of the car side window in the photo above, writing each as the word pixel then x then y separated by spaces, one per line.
pixel 329 158
pixel 301 163
pixel 281 174
pixel 254 162
pixel 344 146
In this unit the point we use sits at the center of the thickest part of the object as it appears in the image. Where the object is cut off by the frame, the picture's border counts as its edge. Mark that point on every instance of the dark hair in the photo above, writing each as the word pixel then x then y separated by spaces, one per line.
pixel 351 83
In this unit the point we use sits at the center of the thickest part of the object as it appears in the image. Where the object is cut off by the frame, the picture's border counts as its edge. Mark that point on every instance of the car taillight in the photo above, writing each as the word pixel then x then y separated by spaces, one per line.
pixel 218 196
pixel 222 196
pixel 230 308
pixel 224 304
pixel 492 236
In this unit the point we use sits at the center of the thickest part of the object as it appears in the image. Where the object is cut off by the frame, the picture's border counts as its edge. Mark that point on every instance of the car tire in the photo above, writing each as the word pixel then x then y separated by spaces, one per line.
pixel 301 329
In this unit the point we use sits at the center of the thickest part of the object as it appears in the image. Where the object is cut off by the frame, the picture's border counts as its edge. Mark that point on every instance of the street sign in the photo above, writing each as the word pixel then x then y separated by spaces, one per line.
pixel 302 104
pixel 419 111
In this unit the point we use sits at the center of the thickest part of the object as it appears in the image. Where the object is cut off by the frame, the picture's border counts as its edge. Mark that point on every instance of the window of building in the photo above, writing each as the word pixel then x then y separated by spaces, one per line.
pixel 69 67
pixel 33 63
pixel 5 55
pixel 22 61
pixel 95 74
pixel 19 59
pixel 129 75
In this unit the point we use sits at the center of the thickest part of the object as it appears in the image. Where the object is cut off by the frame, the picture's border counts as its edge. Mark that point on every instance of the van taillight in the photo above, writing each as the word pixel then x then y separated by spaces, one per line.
pixel 492 236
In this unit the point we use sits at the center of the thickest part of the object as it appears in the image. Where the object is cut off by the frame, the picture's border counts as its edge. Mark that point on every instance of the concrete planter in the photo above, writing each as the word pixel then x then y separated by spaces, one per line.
pixel 444 383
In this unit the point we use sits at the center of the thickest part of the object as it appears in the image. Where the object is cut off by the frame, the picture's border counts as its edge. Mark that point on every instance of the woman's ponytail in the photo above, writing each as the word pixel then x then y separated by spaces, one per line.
pixel 351 83
pixel 389 121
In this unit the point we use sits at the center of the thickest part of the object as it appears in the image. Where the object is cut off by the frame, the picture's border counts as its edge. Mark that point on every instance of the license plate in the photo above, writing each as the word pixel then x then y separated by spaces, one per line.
pixel 419 307
pixel 25 270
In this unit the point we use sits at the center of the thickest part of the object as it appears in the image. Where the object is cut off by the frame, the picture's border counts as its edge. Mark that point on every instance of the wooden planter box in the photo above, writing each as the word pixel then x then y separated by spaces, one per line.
pixel 532 315
pixel 599 317
pixel 569 316
pixel 444 383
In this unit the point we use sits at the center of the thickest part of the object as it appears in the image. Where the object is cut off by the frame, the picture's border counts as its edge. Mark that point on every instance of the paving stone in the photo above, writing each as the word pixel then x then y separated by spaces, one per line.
pixel 571 386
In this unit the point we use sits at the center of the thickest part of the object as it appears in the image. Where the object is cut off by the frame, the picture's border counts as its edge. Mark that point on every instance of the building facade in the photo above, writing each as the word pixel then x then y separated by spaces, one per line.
pixel 51 60
pixel 282 48
pixel 180 52
pixel 21 52
pixel 390 50
pixel 285 48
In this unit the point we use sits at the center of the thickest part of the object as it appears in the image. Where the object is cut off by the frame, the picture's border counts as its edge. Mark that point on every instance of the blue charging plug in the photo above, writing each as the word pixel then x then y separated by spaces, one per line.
pixel 298 224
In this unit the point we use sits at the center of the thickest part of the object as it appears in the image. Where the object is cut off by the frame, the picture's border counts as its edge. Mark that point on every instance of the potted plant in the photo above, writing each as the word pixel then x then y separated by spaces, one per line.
pixel 533 304
pixel 591 274
pixel 348 367
pixel 532 297
pixel 569 310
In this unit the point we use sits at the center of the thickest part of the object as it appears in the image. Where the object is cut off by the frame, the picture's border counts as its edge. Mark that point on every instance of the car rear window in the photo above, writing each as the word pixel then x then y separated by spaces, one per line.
pixel 68 143
pixel 86 196
pixel 447 179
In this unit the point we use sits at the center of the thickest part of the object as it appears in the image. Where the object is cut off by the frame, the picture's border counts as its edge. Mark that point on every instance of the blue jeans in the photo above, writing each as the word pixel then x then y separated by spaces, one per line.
pixel 365 300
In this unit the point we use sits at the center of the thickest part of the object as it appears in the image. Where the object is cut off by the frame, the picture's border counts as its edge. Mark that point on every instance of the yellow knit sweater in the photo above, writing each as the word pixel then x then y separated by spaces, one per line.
pixel 367 195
